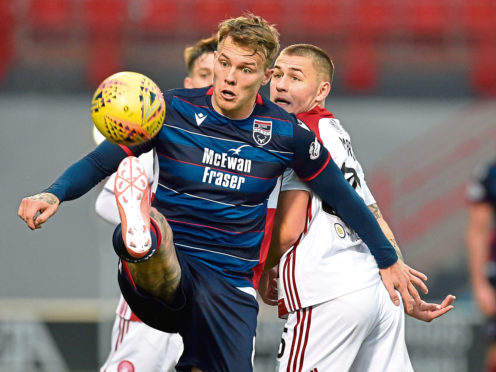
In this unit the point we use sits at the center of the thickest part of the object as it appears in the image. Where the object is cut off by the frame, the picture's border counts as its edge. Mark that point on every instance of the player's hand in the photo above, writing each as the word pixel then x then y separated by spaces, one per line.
pixel 485 296
pixel 268 286
pixel 36 209
pixel 402 277
pixel 428 311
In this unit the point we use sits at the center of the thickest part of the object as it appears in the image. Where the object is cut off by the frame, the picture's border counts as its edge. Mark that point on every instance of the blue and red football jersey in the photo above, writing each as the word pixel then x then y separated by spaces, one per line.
pixel 216 175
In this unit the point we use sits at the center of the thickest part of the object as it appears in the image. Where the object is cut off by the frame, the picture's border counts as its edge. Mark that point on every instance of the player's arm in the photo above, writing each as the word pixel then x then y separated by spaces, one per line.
pixel 416 276
pixel 478 235
pixel 105 205
pixel 76 180
pixel 289 223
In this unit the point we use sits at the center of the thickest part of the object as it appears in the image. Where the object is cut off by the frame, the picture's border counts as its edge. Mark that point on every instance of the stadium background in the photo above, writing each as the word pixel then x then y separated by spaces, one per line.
pixel 415 86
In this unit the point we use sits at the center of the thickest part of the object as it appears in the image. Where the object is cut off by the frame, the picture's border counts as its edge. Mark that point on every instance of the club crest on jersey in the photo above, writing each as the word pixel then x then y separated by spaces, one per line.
pixel 340 230
pixel 314 150
pixel 262 131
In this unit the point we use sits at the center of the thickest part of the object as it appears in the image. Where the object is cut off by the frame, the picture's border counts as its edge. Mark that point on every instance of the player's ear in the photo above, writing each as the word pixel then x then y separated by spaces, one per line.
pixel 267 75
pixel 324 90
pixel 187 83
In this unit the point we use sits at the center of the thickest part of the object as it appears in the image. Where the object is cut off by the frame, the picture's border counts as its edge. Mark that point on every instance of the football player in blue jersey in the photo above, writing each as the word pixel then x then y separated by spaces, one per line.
pixel 481 244
pixel 221 151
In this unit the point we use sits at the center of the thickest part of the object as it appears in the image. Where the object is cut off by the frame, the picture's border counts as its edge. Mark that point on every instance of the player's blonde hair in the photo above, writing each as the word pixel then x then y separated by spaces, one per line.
pixel 252 31
pixel 195 51
pixel 321 60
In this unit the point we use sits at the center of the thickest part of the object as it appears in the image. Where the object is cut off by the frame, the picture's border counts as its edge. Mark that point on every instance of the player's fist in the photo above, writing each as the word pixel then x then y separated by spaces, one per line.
pixel 268 286
pixel 36 209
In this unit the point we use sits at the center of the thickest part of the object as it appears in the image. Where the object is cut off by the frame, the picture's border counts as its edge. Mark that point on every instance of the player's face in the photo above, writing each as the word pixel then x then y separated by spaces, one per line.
pixel 202 74
pixel 295 84
pixel 238 74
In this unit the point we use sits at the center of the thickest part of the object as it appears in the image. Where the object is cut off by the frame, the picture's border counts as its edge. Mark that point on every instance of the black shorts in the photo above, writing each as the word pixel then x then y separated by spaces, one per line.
pixel 216 320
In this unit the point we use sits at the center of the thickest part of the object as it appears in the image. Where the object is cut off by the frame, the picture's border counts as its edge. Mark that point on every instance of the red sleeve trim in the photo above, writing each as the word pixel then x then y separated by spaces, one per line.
pixel 320 170
pixel 127 150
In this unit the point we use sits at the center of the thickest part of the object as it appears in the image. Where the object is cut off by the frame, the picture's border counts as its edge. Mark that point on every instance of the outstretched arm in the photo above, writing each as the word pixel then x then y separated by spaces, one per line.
pixel 416 277
pixel 78 179
pixel 331 186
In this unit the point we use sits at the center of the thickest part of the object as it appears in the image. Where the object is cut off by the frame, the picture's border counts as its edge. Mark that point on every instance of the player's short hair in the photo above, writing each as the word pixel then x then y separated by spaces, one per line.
pixel 323 63
pixel 195 51
pixel 252 31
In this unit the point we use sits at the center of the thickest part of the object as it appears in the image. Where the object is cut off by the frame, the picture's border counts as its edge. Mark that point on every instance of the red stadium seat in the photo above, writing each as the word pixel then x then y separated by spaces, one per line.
pixel 50 16
pixel 374 18
pixel 321 17
pixel 105 21
pixel 478 17
pixel 272 11
pixel 104 16
pixel 206 14
pixel 7 29
pixel 105 59
pixel 427 18
pixel 361 70
pixel 159 17
pixel 483 74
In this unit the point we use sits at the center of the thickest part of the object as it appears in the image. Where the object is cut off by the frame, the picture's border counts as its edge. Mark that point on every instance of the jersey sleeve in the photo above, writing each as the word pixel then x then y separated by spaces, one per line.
pixel 81 176
pixel 310 156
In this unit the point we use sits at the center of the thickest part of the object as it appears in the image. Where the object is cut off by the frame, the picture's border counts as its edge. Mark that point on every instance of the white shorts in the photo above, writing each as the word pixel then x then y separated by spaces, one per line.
pixel 361 331
pixel 138 347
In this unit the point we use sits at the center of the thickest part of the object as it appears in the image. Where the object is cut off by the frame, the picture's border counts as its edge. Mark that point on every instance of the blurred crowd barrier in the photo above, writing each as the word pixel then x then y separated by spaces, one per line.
pixel 372 36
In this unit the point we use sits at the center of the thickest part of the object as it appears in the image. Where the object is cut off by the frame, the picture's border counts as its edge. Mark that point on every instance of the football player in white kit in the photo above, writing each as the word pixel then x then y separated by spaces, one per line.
pixel 339 315
pixel 134 345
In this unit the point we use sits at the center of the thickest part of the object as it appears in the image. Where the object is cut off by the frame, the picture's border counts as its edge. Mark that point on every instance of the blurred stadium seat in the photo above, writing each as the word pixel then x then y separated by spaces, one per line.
pixel 105 16
pixel 478 18
pixel 426 18
pixel 104 21
pixel 50 16
pixel 206 14
pixel 7 28
pixel 483 72
pixel 274 11
pixel 159 18
pixel 374 18
pixel 361 69
pixel 322 18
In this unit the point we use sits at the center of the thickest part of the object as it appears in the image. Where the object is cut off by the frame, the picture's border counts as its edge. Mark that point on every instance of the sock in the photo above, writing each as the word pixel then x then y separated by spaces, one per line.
pixel 120 247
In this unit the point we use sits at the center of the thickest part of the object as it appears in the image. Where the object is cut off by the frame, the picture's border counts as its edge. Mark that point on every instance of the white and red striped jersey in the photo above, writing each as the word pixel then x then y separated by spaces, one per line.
pixel 329 259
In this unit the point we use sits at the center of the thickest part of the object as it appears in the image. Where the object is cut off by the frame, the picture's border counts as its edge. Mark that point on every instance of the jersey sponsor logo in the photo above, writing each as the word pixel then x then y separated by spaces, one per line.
pixel 199 118
pixel 262 131
pixel 340 230
pixel 237 150
pixel 314 150
pixel 223 160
